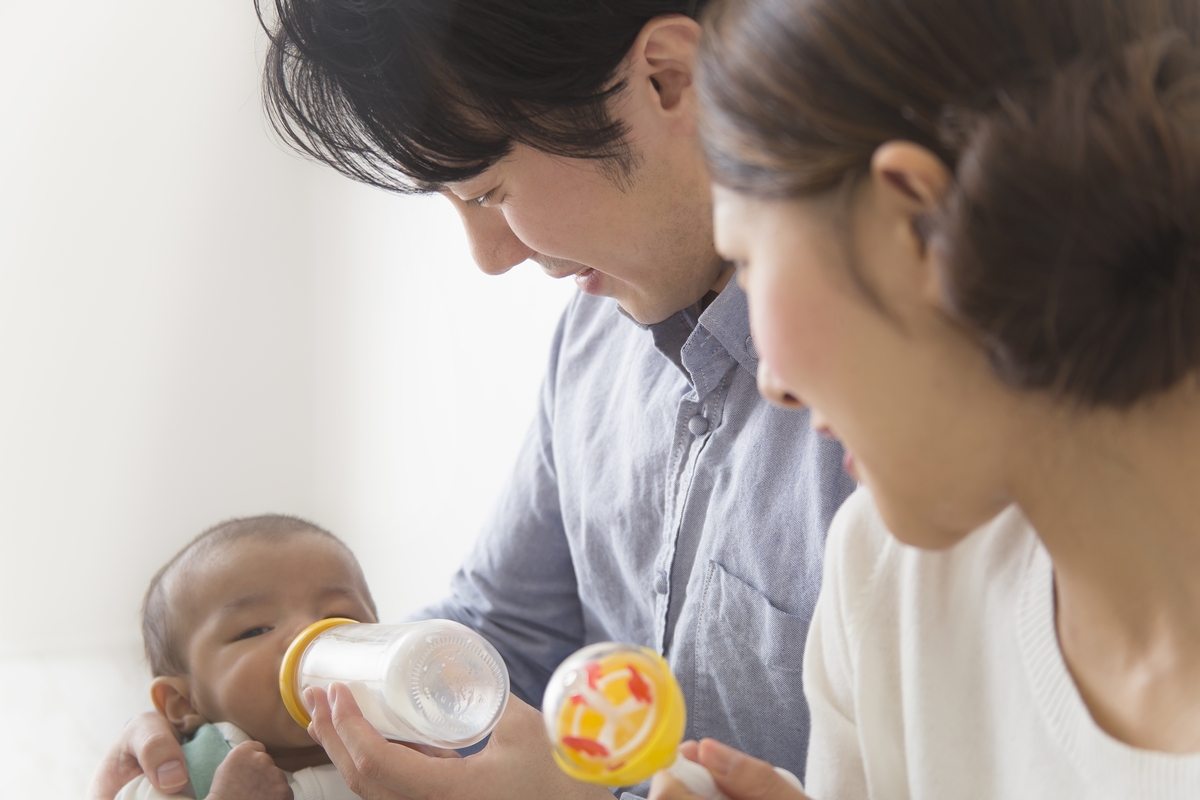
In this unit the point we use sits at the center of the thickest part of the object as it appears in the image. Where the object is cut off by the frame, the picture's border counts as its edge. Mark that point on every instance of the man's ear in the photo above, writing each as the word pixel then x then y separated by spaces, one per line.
pixel 663 58
pixel 172 699
pixel 912 183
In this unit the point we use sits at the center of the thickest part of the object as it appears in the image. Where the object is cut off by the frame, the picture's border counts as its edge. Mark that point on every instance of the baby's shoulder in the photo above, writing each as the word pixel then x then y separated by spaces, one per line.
pixel 140 788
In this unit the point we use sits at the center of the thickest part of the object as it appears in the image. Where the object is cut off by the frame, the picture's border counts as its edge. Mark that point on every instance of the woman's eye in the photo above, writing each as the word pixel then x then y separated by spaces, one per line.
pixel 250 634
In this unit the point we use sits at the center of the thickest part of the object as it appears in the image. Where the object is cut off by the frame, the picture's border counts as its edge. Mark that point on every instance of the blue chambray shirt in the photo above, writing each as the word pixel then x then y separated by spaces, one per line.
pixel 660 500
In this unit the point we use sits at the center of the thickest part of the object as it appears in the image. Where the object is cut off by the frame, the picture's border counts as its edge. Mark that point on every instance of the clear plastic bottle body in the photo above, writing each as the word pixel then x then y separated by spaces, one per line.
pixel 434 682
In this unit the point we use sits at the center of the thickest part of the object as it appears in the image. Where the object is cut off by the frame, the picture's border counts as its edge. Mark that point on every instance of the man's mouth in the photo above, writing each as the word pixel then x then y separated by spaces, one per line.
pixel 589 281
pixel 586 278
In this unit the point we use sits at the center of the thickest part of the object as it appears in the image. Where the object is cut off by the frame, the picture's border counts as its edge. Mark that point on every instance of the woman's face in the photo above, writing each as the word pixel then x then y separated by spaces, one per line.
pixel 904 388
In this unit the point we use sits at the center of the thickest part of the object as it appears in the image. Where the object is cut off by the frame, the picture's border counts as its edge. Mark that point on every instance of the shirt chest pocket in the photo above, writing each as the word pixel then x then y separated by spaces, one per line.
pixel 748 671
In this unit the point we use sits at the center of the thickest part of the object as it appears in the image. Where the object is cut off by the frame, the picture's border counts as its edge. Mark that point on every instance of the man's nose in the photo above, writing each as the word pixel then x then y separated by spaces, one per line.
pixel 495 248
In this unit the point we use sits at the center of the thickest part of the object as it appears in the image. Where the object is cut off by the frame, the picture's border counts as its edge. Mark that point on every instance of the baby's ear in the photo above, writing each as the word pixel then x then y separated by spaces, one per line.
pixel 172 698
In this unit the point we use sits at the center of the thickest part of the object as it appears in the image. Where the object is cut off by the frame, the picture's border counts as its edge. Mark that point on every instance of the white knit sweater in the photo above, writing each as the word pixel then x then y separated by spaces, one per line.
pixel 938 676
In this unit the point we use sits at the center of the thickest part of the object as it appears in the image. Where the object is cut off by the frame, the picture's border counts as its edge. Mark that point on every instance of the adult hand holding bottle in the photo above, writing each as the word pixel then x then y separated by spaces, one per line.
pixel 516 763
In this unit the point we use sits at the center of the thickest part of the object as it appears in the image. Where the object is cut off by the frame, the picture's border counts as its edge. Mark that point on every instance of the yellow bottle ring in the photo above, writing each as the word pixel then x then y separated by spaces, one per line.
pixel 291 664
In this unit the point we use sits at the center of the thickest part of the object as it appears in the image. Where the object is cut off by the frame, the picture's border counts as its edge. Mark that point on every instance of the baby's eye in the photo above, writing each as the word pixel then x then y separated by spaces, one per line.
pixel 250 634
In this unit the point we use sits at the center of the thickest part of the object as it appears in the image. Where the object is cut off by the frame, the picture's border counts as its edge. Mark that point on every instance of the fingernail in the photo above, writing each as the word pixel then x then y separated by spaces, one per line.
pixel 719 759
pixel 171 775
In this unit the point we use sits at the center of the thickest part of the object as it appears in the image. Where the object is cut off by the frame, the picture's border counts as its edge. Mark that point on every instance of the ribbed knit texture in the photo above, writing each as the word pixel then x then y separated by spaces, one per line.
pixel 938 676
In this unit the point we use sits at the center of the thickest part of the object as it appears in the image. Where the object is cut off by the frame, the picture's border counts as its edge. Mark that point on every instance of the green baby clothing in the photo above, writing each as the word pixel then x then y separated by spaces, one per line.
pixel 204 753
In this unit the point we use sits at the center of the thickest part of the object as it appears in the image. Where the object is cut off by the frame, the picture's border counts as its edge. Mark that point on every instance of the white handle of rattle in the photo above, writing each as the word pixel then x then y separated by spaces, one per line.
pixel 696 778
pixel 791 779
pixel 700 781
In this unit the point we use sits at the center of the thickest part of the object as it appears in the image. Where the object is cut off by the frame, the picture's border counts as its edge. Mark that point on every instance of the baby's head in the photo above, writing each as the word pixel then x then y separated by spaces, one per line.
pixel 219 616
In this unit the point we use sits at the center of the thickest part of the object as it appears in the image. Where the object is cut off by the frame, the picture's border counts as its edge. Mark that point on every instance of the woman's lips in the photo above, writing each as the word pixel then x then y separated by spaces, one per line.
pixel 589 281
pixel 825 432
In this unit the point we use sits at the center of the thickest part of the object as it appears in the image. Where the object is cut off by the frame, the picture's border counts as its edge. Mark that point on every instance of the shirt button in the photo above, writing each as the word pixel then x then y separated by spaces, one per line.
pixel 697 425
pixel 660 582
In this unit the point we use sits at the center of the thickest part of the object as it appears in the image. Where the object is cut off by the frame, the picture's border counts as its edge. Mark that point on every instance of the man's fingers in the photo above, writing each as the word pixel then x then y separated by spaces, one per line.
pixel 744 778
pixel 323 731
pixel 690 750
pixel 152 742
pixel 401 769
pixel 112 773
pixel 430 750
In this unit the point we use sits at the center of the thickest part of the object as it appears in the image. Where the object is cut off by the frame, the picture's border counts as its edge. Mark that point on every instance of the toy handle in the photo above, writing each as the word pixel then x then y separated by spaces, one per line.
pixel 700 781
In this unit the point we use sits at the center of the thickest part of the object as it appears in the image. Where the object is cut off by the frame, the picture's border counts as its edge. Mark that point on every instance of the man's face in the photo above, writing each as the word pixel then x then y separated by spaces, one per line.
pixel 645 241
pixel 248 602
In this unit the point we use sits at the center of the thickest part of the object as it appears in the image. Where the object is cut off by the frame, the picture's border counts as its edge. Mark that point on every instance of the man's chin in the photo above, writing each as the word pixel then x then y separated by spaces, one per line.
pixel 641 314
pixel 558 268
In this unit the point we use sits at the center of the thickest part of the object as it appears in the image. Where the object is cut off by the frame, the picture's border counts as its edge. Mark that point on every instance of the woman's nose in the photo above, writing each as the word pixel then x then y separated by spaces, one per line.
pixel 495 248
pixel 770 388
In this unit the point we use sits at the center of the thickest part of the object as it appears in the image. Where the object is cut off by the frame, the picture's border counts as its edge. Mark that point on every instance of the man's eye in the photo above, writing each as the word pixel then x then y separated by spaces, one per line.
pixel 480 201
pixel 250 634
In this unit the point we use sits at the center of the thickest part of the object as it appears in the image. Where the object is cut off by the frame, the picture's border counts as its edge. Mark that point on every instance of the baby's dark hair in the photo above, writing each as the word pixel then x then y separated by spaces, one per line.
pixel 161 634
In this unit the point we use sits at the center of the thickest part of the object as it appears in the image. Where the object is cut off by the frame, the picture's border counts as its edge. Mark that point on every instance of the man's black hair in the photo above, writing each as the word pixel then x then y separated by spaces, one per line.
pixel 410 95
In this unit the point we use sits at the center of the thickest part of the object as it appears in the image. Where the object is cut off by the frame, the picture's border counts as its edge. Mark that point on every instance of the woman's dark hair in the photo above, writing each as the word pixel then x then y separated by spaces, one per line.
pixel 1070 241
pixel 410 95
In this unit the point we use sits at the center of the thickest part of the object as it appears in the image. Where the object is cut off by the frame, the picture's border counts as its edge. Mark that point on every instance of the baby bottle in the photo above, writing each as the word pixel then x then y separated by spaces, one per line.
pixel 434 682
pixel 615 715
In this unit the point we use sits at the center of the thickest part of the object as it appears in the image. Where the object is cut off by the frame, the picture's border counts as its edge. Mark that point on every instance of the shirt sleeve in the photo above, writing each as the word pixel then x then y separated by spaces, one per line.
pixel 835 767
pixel 517 586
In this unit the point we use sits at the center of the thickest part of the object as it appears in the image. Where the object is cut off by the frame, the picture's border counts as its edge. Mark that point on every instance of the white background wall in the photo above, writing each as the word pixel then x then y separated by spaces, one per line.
pixel 194 325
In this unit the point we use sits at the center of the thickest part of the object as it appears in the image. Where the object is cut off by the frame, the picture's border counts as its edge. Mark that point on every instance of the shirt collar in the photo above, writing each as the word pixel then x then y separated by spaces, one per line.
pixel 727 319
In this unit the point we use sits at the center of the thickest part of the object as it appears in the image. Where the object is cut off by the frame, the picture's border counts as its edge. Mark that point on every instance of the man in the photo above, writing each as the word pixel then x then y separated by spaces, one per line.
pixel 658 499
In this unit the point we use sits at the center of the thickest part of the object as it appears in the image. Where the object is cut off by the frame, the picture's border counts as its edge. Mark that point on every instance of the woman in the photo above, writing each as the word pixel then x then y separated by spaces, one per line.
pixel 970 235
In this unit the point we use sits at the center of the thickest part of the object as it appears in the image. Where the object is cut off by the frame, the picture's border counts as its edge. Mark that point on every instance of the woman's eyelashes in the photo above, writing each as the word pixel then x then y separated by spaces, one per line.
pixel 250 633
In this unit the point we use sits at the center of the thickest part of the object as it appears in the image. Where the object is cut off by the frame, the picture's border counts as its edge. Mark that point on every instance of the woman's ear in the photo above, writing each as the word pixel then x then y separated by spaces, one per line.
pixel 913 183
pixel 172 699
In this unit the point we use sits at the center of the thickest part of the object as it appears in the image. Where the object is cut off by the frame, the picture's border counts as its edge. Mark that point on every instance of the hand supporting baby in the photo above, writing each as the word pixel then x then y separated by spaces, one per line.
pixel 737 775
pixel 248 773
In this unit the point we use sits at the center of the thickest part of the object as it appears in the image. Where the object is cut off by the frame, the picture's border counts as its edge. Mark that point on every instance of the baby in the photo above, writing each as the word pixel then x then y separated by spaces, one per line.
pixel 216 622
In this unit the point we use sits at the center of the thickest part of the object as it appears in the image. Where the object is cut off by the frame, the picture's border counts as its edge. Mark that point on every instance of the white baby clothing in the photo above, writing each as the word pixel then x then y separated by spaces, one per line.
pixel 311 783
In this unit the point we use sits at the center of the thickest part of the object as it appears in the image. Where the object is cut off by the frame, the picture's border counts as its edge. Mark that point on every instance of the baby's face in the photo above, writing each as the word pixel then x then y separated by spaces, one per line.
pixel 248 602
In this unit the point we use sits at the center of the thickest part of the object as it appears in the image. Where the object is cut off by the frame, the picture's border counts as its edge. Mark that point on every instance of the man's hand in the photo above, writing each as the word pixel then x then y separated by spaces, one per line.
pixel 516 764
pixel 147 745
pixel 738 776
pixel 248 773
